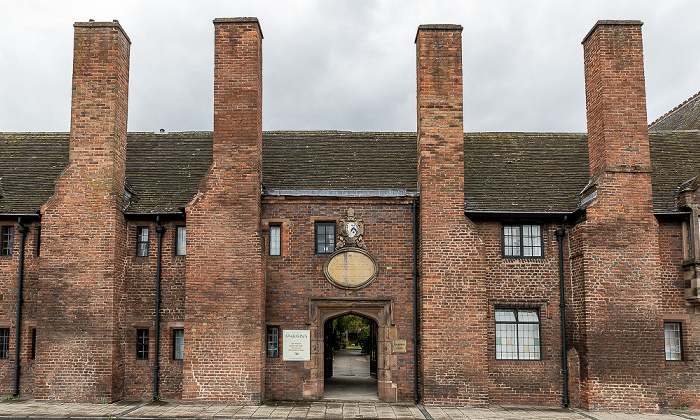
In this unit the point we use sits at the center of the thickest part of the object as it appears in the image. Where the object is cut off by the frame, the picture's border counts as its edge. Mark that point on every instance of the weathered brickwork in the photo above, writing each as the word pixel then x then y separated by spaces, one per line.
pixel 454 360
pixel 80 318
pixel 525 283
pixel 225 288
pixel 626 268
pixel 620 345
pixel 140 300
pixel 297 275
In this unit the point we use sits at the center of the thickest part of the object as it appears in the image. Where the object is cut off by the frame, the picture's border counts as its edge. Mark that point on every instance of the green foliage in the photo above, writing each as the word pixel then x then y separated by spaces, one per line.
pixel 344 323
pixel 363 339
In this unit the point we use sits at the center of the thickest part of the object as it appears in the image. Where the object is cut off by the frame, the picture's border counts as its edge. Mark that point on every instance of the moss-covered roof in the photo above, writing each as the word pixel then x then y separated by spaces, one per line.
pixel 504 172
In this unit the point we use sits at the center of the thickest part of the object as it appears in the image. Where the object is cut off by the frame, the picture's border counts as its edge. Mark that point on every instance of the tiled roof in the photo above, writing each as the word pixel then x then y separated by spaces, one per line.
pixel 504 172
pixel 675 159
pixel 524 172
pixel 684 117
pixel 164 170
pixel 29 165
pixel 339 160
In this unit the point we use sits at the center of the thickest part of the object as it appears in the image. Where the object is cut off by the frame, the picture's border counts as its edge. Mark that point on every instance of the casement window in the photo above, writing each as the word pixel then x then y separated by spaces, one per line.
pixel 273 339
pixel 142 344
pixel 142 241
pixel 517 334
pixel 673 341
pixel 4 343
pixel 8 234
pixel 275 240
pixel 325 238
pixel 522 241
pixel 181 241
pixel 178 344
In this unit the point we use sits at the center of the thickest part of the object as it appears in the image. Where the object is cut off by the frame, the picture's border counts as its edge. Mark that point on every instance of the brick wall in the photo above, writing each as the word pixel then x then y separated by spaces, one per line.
pixel 297 276
pixel 454 361
pixel 83 231
pixel 621 343
pixel 525 283
pixel 139 298
pixel 225 287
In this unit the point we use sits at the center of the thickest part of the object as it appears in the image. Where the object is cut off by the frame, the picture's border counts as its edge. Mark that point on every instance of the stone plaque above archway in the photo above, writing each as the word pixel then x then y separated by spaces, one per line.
pixel 351 266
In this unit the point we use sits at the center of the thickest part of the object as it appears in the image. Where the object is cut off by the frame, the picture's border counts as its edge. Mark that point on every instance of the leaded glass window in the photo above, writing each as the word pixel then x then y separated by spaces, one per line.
pixel 4 343
pixel 178 344
pixel 142 242
pixel 272 341
pixel 672 341
pixel 142 344
pixel 325 238
pixel 522 241
pixel 275 240
pixel 8 233
pixel 181 241
pixel 517 334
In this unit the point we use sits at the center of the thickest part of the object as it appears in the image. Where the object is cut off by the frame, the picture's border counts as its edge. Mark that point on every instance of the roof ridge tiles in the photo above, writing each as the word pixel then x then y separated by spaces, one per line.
pixel 681 105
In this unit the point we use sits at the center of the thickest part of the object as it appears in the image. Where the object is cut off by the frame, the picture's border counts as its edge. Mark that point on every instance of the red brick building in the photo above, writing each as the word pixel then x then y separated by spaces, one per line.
pixel 205 266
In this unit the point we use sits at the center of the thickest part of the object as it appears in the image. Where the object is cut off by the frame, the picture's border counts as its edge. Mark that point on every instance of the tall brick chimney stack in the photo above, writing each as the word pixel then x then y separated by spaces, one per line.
pixel 83 230
pixel 225 288
pixel 621 341
pixel 450 261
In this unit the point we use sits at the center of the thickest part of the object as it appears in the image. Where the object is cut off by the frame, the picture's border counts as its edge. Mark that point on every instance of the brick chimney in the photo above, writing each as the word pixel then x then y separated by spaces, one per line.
pixel 225 287
pixel 83 229
pixel 454 368
pixel 619 282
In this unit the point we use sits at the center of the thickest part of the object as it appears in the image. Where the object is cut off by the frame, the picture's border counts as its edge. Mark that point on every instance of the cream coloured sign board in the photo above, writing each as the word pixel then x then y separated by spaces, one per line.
pixel 296 345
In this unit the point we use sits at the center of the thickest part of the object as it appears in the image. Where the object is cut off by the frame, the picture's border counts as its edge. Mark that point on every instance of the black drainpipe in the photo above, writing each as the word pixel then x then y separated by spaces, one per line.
pixel 562 308
pixel 20 278
pixel 160 230
pixel 415 301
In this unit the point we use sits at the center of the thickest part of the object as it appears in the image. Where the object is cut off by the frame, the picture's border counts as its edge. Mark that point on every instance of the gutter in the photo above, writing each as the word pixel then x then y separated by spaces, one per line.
pixel 23 230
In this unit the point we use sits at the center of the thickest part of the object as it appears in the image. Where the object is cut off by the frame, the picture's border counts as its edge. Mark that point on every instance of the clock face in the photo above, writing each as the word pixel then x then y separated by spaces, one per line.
pixel 351 229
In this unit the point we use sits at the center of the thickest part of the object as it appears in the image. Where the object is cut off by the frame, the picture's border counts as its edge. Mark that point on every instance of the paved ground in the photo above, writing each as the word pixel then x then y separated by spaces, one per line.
pixel 15 409
pixel 350 394
pixel 351 380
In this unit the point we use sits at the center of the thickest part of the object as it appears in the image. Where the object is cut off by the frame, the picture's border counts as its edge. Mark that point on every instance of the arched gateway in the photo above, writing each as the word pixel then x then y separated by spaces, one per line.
pixel 380 311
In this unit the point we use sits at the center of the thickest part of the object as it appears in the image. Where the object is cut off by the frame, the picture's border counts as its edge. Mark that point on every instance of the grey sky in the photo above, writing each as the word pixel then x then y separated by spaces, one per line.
pixel 343 64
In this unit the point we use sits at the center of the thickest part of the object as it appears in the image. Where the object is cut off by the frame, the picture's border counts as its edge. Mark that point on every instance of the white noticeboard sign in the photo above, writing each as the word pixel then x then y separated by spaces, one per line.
pixel 296 345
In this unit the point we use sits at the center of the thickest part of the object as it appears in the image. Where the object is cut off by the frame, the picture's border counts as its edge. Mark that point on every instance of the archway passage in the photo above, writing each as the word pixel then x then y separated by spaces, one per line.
pixel 350 358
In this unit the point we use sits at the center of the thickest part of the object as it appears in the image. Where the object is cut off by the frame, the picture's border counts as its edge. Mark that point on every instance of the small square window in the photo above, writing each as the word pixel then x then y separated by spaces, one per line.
pixel 4 343
pixel 673 341
pixel 517 334
pixel 181 241
pixel 275 240
pixel 273 341
pixel 522 241
pixel 142 241
pixel 8 234
pixel 142 344
pixel 325 238
pixel 178 344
